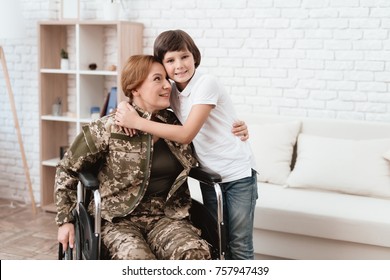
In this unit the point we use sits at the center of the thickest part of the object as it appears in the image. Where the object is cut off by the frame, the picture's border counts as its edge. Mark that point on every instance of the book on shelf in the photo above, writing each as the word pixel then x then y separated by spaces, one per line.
pixel 110 102
pixel 104 108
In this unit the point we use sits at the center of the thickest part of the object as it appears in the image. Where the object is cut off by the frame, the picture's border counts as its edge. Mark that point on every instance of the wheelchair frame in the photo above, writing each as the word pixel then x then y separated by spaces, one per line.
pixel 208 177
pixel 88 230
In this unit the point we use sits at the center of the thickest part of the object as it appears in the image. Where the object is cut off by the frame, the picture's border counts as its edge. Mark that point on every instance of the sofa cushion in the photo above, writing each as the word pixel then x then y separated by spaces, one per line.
pixel 342 165
pixel 387 155
pixel 272 145
pixel 323 214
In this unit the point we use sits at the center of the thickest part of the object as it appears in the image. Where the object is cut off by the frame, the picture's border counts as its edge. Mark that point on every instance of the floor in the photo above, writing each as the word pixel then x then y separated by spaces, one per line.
pixel 25 236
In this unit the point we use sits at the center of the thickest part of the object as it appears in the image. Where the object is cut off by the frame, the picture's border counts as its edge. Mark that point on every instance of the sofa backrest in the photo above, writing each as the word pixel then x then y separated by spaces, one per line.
pixel 358 130
pixel 335 128
pixel 329 157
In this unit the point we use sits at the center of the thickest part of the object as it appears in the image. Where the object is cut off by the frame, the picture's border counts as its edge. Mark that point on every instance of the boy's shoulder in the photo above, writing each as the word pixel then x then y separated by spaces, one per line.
pixel 206 80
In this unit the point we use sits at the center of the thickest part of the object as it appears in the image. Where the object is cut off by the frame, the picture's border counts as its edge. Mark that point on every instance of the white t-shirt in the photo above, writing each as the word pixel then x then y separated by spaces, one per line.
pixel 216 146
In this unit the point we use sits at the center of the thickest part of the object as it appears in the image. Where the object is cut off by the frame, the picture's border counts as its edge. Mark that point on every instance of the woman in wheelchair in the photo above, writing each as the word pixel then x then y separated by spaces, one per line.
pixel 145 196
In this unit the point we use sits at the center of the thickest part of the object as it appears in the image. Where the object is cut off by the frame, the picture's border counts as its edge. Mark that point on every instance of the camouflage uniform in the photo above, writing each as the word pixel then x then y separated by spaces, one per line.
pixel 124 174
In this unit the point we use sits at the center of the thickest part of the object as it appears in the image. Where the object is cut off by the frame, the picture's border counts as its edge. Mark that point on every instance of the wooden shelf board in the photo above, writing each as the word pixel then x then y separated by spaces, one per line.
pixel 50 208
pixel 51 162
pixel 99 72
pixel 58 71
pixel 58 118
pixel 82 72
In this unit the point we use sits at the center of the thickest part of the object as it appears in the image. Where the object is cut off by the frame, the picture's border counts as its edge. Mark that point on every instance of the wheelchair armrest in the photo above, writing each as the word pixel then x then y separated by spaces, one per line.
pixel 200 173
pixel 89 180
pixel 205 175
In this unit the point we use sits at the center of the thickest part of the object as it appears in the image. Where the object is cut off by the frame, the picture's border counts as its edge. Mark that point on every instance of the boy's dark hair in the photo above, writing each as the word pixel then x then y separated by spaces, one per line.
pixel 175 40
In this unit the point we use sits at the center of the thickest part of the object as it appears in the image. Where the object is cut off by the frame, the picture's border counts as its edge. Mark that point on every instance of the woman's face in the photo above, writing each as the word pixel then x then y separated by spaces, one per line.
pixel 153 94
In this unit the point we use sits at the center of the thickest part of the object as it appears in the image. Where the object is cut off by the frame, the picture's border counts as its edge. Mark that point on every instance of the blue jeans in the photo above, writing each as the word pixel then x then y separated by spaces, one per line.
pixel 239 200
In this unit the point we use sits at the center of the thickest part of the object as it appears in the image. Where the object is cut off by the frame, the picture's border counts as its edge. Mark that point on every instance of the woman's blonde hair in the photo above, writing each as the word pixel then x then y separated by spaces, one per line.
pixel 135 72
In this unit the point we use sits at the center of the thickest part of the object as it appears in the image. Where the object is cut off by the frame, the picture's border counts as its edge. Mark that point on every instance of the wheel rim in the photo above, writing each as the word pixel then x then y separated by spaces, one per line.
pixel 77 249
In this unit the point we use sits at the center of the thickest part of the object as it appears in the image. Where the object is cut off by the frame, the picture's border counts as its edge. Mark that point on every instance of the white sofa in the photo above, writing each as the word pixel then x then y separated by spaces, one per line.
pixel 335 202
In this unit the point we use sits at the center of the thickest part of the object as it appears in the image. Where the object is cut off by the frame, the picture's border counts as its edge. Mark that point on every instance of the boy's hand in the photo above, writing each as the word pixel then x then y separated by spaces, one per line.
pixel 240 129
pixel 124 117
pixel 122 105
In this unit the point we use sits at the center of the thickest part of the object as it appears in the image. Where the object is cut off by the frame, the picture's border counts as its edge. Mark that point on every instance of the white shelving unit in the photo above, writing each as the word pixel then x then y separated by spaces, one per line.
pixel 106 43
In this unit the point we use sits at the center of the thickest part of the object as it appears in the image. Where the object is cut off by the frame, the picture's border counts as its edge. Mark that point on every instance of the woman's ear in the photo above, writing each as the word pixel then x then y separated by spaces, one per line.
pixel 135 92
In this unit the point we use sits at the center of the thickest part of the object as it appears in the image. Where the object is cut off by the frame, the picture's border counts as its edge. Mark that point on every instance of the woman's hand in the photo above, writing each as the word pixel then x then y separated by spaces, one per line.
pixel 125 116
pixel 240 129
pixel 66 235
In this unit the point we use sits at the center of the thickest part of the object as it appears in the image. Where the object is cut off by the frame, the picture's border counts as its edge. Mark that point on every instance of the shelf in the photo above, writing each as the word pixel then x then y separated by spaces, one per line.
pixel 51 162
pixel 105 43
pixel 50 208
pixel 58 71
pixel 85 120
pixel 58 118
pixel 81 72
pixel 99 72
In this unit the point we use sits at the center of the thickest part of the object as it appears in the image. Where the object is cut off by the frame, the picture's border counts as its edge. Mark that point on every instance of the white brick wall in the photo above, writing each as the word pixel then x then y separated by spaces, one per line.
pixel 315 58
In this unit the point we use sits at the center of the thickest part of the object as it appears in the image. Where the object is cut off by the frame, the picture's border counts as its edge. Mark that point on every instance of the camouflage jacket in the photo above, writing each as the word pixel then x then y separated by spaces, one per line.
pixel 125 164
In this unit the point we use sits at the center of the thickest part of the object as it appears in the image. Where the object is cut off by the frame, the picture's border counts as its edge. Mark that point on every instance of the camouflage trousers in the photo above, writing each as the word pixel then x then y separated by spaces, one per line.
pixel 147 234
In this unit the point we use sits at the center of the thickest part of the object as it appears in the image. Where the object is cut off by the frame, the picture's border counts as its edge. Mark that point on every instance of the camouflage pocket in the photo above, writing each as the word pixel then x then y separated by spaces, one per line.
pixel 124 155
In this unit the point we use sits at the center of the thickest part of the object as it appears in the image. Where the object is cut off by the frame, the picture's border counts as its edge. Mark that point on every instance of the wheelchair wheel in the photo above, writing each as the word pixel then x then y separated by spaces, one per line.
pixel 77 244
pixel 202 219
pixel 75 253
pixel 89 242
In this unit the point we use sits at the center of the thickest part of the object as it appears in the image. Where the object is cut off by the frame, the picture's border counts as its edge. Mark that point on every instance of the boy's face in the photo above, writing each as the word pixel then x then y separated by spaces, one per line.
pixel 180 67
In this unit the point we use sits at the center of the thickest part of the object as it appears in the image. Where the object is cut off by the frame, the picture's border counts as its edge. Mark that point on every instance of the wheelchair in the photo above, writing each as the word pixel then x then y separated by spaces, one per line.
pixel 88 228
